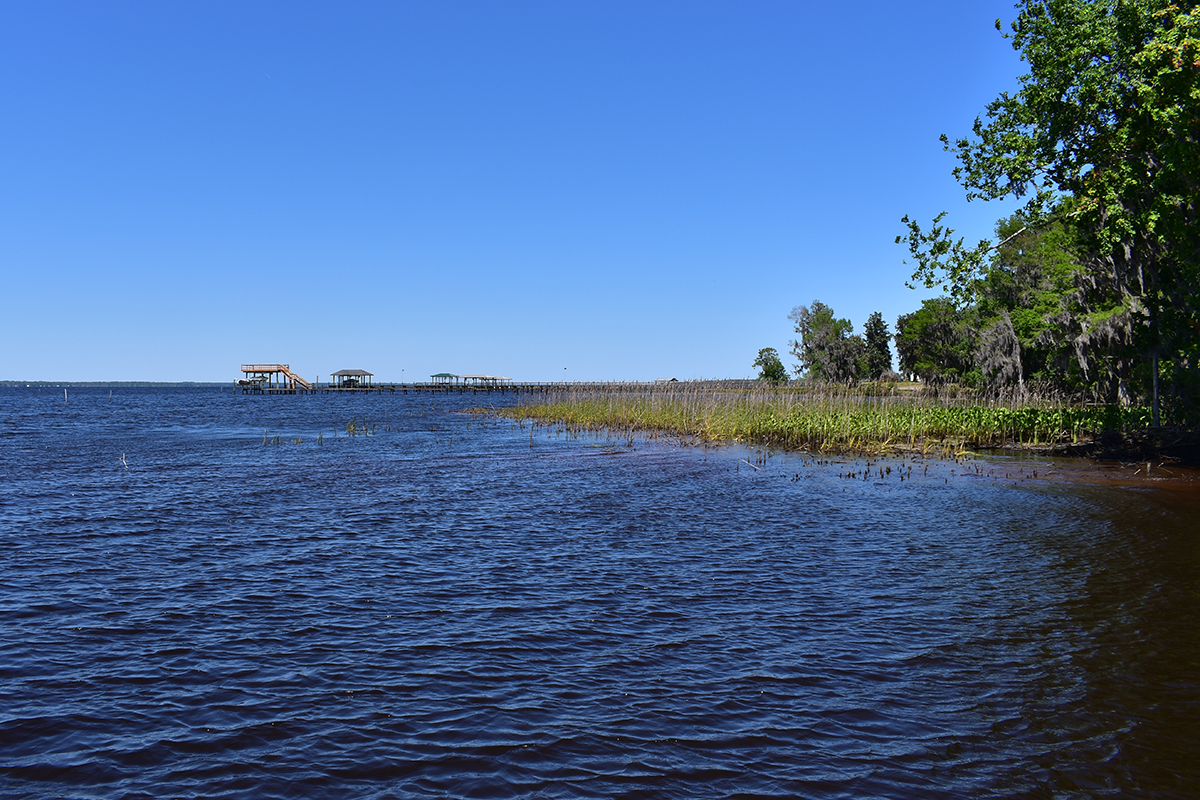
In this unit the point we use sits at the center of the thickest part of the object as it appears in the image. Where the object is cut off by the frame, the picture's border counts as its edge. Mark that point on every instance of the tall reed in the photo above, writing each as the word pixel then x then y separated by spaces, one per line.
pixel 871 417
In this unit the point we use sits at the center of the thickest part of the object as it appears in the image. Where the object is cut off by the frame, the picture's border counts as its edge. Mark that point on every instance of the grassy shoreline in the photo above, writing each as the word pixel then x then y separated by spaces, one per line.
pixel 868 419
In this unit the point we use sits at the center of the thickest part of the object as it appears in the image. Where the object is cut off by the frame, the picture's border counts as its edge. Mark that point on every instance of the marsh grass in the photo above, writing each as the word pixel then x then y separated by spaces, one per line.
pixel 874 418
pixel 358 427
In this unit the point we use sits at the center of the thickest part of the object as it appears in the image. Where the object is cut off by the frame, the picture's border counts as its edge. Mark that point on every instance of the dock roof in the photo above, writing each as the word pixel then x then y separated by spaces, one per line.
pixel 353 373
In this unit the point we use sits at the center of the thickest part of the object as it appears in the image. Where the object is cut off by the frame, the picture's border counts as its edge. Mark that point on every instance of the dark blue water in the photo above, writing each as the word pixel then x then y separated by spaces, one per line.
pixel 204 594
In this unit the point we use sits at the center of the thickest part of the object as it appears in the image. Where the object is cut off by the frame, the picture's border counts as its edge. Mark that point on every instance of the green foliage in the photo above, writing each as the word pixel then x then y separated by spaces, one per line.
pixel 826 349
pixel 936 343
pixel 770 368
pixel 830 421
pixel 1102 135
pixel 877 356
pixel 1029 302
pixel 943 262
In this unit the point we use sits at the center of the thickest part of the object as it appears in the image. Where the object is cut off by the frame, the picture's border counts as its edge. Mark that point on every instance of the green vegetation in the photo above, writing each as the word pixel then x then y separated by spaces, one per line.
pixel 876 362
pixel 1087 295
pixel 870 417
pixel 827 349
pixel 354 427
pixel 770 368
pixel 1091 287
pixel 934 343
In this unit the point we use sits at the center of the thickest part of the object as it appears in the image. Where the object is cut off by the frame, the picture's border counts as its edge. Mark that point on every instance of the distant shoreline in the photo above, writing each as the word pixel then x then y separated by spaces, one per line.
pixel 111 384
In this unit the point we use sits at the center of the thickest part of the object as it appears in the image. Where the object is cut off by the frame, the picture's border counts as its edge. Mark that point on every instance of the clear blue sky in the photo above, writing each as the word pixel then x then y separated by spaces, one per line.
pixel 627 190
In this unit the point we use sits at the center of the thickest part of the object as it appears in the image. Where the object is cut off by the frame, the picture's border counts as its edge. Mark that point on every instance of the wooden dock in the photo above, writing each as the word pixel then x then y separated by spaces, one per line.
pixel 276 379
pixel 443 388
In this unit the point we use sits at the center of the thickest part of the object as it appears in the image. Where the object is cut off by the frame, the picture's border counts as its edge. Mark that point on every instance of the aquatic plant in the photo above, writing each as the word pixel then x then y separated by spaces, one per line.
pixel 357 427
pixel 821 418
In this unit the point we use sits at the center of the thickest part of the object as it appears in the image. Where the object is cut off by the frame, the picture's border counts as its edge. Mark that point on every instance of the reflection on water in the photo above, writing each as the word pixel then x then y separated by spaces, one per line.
pixel 452 607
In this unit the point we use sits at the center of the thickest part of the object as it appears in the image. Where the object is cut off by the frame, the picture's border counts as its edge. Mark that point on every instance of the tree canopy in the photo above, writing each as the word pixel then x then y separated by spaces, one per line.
pixel 826 350
pixel 935 343
pixel 1103 140
pixel 877 356
pixel 770 367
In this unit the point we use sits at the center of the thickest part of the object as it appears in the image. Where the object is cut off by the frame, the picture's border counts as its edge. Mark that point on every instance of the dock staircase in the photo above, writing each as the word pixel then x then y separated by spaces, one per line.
pixel 267 372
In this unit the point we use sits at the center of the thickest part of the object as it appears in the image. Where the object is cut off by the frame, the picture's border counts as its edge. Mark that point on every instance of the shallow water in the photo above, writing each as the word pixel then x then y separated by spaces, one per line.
pixel 451 607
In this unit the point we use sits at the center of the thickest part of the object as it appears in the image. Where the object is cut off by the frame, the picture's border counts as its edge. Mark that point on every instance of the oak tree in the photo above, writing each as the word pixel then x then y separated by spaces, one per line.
pixel 826 350
pixel 1105 130
pixel 770 368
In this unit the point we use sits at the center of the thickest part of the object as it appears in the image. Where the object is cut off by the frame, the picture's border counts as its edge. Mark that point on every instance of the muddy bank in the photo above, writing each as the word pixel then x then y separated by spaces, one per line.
pixel 1023 466
pixel 1162 446
pixel 1166 459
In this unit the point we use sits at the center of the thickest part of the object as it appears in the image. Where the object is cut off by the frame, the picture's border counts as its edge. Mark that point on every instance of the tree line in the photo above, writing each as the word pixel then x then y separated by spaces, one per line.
pixel 1092 289
pixel 828 349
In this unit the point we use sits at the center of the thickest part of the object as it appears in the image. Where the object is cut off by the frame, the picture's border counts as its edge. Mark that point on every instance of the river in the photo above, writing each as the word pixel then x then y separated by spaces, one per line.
pixel 205 594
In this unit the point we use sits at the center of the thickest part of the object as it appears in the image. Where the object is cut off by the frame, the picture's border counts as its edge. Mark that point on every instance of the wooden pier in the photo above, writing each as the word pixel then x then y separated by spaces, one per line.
pixel 272 378
pixel 439 388
pixel 275 379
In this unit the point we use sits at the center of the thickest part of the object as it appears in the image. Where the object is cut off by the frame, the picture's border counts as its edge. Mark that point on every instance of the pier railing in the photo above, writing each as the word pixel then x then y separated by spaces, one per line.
pixel 291 382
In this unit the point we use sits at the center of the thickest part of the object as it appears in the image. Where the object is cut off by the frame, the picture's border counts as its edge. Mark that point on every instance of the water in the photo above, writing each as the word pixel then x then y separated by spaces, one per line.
pixel 191 607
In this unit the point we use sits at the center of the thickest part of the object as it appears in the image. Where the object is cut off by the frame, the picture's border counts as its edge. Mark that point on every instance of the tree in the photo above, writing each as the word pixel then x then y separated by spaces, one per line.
pixel 877 356
pixel 1029 306
pixel 1104 130
pixel 826 350
pixel 770 368
pixel 936 343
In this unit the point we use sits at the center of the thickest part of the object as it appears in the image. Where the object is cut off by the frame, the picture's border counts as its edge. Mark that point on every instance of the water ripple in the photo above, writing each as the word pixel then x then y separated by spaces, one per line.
pixel 449 609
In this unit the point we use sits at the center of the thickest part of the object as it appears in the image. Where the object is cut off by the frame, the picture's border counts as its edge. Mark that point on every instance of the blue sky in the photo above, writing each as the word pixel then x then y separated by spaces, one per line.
pixel 588 191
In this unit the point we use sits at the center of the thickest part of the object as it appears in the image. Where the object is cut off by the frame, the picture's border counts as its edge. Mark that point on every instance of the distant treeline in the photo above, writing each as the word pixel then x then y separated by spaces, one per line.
pixel 110 384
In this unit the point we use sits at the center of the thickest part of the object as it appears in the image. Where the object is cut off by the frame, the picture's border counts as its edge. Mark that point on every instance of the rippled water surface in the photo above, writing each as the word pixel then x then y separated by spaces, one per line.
pixel 204 594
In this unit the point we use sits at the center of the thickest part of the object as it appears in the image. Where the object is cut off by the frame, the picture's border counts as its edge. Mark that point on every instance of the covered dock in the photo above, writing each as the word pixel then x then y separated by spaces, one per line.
pixel 352 379
pixel 275 377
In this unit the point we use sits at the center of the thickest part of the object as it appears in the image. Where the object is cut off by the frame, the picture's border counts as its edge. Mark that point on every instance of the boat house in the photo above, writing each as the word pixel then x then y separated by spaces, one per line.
pixel 351 378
